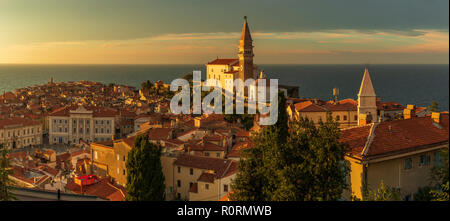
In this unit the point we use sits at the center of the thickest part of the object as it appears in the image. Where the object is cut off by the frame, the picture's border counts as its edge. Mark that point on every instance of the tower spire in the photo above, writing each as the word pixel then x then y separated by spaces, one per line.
pixel 245 54
pixel 366 88
pixel 367 100
pixel 245 35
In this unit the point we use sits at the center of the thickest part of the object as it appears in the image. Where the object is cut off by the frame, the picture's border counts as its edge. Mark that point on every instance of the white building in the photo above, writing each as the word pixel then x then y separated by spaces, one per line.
pixel 20 132
pixel 72 124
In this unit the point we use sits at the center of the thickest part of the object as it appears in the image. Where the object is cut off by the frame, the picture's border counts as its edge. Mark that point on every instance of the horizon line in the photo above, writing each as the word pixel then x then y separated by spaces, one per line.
pixel 365 64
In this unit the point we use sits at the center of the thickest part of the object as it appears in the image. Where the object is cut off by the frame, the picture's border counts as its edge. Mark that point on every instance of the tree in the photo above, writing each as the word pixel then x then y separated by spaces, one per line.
pixel 146 85
pixel 145 179
pixel 424 194
pixel 384 193
pixel 315 165
pixel 441 194
pixel 300 162
pixel 434 107
pixel 5 182
pixel 440 177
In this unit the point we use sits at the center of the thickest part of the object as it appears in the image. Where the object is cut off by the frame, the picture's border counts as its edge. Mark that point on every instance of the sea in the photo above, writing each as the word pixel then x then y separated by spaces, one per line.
pixel 406 84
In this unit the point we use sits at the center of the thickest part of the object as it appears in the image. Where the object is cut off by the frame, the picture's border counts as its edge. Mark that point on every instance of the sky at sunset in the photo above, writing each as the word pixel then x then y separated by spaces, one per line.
pixel 195 32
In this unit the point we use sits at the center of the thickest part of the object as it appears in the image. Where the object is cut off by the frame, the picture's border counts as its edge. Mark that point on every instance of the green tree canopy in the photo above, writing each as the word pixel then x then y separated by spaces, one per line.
pixel 297 162
pixel 5 182
pixel 146 85
pixel 145 179
pixel 383 193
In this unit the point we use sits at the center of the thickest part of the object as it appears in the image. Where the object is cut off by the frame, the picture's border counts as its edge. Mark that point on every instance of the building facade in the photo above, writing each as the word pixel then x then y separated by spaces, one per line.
pixel 70 125
pixel 20 132
pixel 399 153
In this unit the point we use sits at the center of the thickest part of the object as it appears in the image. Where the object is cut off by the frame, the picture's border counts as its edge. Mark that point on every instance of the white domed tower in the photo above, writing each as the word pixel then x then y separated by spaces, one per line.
pixel 367 100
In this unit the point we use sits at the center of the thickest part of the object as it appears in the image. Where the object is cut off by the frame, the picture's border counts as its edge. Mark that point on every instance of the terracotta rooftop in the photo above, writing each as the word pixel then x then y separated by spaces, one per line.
pixel 206 177
pixel 223 61
pixel 103 189
pixel 221 167
pixel 159 133
pixel 394 137
pixel 17 121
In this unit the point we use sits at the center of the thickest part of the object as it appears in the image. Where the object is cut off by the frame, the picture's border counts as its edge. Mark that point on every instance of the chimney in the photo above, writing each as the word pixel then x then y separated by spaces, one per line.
pixel 365 119
pixel 409 112
pixel 436 116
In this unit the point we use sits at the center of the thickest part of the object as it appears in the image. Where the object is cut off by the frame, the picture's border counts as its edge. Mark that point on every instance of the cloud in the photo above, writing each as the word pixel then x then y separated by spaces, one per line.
pixel 199 47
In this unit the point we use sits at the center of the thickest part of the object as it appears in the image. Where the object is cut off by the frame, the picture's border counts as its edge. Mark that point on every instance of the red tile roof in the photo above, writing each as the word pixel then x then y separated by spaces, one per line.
pixel 223 61
pixel 103 189
pixel 219 166
pixel 398 136
pixel 207 178
pixel 96 111
pixel 308 106
pixel 389 106
pixel 159 133
pixel 18 121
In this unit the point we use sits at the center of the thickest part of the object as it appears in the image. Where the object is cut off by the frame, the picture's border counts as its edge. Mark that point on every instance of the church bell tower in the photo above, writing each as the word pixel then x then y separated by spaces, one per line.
pixel 367 100
pixel 245 53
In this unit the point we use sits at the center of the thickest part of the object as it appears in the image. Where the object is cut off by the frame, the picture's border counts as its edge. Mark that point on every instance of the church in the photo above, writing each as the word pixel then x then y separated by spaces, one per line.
pixel 242 67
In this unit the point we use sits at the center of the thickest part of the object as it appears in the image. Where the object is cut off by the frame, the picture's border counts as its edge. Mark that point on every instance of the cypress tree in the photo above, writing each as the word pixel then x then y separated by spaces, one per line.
pixel 145 179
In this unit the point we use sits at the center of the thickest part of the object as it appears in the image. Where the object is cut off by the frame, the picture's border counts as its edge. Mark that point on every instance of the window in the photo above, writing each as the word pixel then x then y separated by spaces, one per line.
pixel 124 158
pixel 424 160
pixel 190 184
pixel 225 188
pixel 338 118
pixel 178 183
pixel 356 117
pixel 95 155
pixel 123 172
pixel 207 154
pixel 217 154
pixel 207 186
pixel 345 117
pixel 191 171
pixel 408 163
pixel 118 157
pixel 437 159
pixel 179 169
pixel 118 171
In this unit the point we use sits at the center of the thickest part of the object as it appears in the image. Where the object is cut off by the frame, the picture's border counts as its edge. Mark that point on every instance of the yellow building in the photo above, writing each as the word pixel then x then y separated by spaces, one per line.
pixel 198 178
pixel 344 111
pixel 109 158
pixel 400 153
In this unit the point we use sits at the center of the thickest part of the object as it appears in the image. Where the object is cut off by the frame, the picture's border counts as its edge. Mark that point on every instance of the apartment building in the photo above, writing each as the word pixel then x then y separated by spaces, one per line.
pixel 400 153
pixel 20 132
